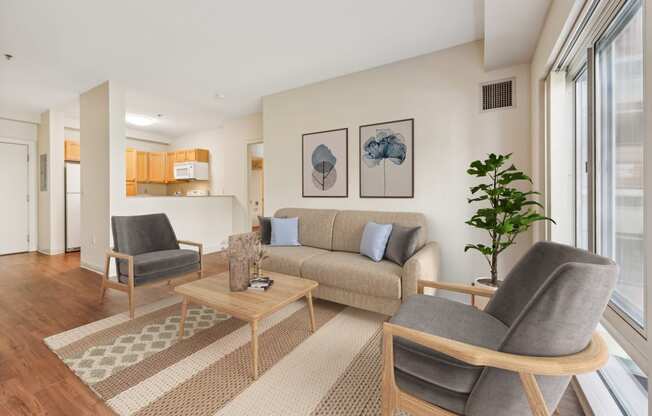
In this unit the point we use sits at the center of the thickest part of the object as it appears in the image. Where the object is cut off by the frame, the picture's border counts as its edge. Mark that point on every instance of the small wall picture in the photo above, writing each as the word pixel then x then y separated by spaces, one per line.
pixel 387 159
pixel 326 164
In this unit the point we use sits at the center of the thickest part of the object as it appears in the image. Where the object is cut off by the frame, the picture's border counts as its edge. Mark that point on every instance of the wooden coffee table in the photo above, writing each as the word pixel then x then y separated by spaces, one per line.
pixel 250 306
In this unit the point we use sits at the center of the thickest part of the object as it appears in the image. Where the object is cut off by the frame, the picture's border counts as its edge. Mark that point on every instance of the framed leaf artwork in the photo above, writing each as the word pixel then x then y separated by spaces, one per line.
pixel 326 164
pixel 387 159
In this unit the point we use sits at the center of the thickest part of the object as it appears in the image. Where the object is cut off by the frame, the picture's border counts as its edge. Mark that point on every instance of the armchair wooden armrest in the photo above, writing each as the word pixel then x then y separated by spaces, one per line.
pixel 594 356
pixel 122 256
pixel 455 287
pixel 130 272
pixel 200 248
pixel 190 243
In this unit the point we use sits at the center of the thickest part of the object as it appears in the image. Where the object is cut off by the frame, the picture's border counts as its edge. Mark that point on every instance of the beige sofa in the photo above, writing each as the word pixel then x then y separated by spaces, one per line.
pixel 330 255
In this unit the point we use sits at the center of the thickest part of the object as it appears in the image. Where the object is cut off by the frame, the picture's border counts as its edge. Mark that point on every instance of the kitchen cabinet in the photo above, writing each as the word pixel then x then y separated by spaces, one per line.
pixel 131 165
pixel 71 151
pixel 156 167
pixel 197 155
pixel 132 188
pixel 169 167
pixel 191 155
pixel 142 171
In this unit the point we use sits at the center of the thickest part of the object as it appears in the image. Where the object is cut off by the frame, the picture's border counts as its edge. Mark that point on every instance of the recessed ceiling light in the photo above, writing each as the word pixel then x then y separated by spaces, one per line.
pixel 140 120
pixel 219 96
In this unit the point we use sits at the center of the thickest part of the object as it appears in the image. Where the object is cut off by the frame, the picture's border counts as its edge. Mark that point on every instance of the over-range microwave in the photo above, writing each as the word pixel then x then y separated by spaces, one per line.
pixel 191 171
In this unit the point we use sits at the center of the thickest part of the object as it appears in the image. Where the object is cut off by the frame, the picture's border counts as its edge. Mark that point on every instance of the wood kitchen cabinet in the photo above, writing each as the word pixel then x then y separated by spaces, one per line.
pixel 169 167
pixel 156 167
pixel 71 151
pixel 132 188
pixel 131 165
pixel 197 155
pixel 142 171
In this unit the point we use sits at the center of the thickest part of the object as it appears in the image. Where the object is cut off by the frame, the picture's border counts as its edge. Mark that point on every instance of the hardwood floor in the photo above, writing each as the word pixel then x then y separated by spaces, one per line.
pixel 42 296
pixel 45 295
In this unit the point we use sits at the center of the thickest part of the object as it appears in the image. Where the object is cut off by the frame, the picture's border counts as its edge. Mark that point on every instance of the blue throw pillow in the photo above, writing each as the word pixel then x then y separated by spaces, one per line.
pixel 285 232
pixel 374 240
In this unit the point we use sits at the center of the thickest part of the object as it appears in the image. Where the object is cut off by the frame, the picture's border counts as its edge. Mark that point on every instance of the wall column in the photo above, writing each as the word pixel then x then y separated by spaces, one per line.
pixel 102 139
pixel 51 208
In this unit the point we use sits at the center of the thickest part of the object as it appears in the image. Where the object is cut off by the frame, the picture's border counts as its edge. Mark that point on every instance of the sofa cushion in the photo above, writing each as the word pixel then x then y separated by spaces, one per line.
pixel 452 320
pixel 315 225
pixel 349 225
pixel 265 229
pixel 285 232
pixel 374 240
pixel 162 263
pixel 288 260
pixel 355 273
pixel 402 244
pixel 449 400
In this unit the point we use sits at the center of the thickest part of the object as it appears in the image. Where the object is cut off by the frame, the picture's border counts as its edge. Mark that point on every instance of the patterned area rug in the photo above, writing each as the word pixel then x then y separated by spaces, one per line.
pixel 141 367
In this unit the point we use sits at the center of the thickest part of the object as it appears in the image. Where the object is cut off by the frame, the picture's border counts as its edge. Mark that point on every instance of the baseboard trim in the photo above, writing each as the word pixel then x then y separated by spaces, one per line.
pixel 91 267
pixel 51 252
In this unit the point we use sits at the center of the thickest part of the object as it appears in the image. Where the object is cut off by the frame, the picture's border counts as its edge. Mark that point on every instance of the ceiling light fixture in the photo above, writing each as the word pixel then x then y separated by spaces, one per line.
pixel 140 120
pixel 219 96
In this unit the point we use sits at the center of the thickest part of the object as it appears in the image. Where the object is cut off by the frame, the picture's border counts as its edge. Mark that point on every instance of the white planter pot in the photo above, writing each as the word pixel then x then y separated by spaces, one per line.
pixel 481 301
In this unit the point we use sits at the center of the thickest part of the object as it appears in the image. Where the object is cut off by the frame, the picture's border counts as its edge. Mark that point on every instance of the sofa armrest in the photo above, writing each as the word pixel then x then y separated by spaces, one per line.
pixel 423 265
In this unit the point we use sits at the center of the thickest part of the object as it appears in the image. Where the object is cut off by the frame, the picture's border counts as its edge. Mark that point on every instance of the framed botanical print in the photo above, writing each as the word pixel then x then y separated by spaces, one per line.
pixel 387 159
pixel 325 164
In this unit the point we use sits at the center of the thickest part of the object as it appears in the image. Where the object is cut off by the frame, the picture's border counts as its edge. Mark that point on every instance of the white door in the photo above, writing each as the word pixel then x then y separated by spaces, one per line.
pixel 14 209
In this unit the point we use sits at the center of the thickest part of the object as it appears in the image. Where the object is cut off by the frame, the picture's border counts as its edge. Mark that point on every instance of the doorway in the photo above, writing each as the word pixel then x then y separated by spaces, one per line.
pixel 256 182
pixel 14 211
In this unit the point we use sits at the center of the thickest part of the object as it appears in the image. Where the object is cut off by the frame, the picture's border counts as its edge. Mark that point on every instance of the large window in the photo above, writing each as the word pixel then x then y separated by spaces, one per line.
pixel 603 79
pixel 619 159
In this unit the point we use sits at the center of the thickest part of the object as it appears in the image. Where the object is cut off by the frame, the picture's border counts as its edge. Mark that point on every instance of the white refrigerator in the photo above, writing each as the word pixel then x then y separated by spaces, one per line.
pixel 73 206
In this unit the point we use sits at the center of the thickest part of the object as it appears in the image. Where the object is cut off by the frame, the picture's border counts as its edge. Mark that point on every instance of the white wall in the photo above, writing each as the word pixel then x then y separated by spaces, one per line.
pixel 558 23
pixel 562 175
pixel 19 130
pixel 228 160
pixel 441 92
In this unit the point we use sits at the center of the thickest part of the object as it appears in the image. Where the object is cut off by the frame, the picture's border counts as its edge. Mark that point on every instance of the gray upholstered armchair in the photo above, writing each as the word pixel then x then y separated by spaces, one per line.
pixel 147 253
pixel 447 358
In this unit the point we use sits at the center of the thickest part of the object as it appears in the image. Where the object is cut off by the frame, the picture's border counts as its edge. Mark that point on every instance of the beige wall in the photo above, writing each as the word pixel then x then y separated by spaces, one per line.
pixel 228 160
pixel 441 92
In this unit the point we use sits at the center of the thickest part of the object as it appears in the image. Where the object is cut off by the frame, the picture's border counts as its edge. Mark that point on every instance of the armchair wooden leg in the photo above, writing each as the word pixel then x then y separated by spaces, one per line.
pixel 388 387
pixel 132 307
pixel 107 262
pixel 534 395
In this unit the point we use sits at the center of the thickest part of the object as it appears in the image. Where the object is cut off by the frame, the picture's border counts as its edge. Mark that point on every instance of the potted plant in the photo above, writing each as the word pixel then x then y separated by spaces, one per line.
pixel 507 211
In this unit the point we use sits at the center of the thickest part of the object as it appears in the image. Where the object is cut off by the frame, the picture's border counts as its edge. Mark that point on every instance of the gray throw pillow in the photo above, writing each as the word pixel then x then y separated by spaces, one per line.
pixel 265 229
pixel 402 244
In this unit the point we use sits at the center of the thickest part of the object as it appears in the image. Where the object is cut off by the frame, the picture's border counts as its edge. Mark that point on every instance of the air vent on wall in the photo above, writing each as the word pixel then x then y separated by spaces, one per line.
pixel 497 95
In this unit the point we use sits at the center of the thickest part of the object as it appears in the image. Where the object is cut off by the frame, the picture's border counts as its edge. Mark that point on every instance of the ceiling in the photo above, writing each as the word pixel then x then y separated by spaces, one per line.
pixel 174 57
pixel 511 31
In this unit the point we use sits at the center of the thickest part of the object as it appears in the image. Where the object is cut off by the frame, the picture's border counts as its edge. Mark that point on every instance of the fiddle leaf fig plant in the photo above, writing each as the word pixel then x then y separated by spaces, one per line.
pixel 506 212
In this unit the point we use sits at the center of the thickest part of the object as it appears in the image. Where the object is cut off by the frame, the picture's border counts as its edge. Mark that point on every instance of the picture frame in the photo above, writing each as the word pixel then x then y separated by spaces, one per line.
pixel 386 159
pixel 325 164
